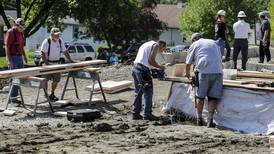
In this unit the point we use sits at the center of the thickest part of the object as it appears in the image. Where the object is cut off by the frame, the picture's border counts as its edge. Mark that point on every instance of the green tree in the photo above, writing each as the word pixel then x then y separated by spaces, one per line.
pixel 36 12
pixel 118 21
pixel 200 16
pixel 271 11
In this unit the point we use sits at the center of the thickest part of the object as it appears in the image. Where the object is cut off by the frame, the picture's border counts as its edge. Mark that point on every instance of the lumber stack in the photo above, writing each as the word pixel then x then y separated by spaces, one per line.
pixel 255 74
pixel 48 69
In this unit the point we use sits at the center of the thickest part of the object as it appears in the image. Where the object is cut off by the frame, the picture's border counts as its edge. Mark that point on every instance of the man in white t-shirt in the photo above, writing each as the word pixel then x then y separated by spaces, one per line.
pixel 241 30
pixel 145 60
pixel 206 57
pixel 51 53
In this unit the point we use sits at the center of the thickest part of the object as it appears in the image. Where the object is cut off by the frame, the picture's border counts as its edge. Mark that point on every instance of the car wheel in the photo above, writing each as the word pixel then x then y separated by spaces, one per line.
pixel 88 58
pixel 62 61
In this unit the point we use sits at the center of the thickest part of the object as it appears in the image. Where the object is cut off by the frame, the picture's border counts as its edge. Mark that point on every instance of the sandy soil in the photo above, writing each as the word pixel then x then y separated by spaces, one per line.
pixel 115 132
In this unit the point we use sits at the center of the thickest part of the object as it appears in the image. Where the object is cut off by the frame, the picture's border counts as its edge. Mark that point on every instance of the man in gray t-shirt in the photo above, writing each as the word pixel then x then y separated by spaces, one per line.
pixel 206 56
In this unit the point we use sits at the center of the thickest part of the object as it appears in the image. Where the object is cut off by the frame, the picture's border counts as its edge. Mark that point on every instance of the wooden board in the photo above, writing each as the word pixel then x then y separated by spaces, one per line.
pixel 255 74
pixel 113 85
pixel 177 79
pixel 48 69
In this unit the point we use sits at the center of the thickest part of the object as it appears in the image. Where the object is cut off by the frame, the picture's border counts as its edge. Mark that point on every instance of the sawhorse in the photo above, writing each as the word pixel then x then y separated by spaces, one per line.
pixel 33 82
pixel 86 73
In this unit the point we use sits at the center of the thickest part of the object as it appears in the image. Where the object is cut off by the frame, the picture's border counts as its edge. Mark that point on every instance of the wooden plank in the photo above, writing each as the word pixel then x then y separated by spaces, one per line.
pixel 254 74
pixel 250 87
pixel 9 112
pixel 177 79
pixel 113 85
pixel 48 69
pixel 91 69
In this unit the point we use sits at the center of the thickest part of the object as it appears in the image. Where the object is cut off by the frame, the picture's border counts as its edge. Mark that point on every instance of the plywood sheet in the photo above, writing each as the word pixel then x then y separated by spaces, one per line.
pixel 48 69
pixel 114 85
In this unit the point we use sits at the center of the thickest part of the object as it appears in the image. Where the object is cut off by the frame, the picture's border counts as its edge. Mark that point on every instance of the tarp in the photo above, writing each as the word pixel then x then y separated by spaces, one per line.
pixel 243 110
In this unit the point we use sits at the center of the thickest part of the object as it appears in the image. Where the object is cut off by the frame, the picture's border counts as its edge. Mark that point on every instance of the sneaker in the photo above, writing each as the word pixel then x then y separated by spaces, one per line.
pixel 138 117
pixel 53 98
pixel 211 124
pixel 151 118
pixel 199 122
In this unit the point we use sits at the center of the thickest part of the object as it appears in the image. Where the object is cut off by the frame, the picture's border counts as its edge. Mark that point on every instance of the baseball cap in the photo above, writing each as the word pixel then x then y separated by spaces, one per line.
pixel 20 22
pixel 221 12
pixel 55 31
pixel 196 36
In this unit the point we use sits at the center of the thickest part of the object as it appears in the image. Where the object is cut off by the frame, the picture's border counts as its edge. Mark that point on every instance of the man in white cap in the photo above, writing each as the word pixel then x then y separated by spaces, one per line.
pixel 241 30
pixel 14 40
pixel 206 57
pixel 51 49
pixel 265 37
pixel 220 34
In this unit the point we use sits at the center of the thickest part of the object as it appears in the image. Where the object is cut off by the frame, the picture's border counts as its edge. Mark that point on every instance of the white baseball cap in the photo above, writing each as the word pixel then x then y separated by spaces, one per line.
pixel 241 14
pixel 55 31
pixel 20 22
pixel 221 12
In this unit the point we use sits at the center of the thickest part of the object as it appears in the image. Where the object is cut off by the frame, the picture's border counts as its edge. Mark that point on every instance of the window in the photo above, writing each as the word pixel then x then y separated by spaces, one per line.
pixel 71 49
pixel 80 49
pixel 89 48
pixel 75 32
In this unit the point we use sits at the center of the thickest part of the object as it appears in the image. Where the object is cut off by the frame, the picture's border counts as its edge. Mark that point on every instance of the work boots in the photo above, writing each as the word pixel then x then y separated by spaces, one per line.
pixel 199 122
pixel 211 124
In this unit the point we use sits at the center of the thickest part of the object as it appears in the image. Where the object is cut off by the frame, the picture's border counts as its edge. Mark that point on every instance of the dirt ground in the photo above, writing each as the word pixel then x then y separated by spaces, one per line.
pixel 115 132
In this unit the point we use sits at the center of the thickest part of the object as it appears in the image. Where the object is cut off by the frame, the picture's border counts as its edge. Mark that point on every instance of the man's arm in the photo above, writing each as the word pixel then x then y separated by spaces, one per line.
pixel 266 33
pixel 188 66
pixel 8 57
pixel 152 57
pixel 68 56
pixel 25 57
pixel 44 58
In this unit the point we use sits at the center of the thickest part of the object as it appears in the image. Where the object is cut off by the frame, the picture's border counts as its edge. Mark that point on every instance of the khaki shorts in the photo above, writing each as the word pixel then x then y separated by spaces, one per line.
pixel 53 77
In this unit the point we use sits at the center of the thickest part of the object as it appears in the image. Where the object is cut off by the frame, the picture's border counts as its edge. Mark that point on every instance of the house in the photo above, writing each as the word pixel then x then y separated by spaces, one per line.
pixel 70 34
pixel 170 15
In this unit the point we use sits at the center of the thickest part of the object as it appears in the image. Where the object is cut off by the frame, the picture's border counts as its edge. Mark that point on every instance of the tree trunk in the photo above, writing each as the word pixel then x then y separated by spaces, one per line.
pixel 3 14
pixel 108 41
pixel 18 7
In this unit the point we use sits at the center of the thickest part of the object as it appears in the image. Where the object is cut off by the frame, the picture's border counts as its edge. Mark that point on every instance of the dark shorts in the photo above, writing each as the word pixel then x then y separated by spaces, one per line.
pixel 53 77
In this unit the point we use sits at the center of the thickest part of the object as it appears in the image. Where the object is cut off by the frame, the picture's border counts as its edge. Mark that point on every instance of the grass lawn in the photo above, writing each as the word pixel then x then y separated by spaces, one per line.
pixel 3 63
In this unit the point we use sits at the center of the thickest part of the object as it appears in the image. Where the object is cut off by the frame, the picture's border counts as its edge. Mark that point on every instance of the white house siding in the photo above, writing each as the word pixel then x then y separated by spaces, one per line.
pixel 34 41
pixel 172 36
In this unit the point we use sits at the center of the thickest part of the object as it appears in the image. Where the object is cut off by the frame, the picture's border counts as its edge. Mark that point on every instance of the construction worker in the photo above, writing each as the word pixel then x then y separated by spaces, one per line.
pixel 220 34
pixel 51 49
pixel 241 30
pixel 14 40
pixel 265 38
pixel 207 59
pixel 145 60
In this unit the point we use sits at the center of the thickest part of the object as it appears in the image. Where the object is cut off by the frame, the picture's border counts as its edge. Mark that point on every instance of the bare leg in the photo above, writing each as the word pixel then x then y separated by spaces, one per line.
pixel 53 86
pixel 212 105
pixel 199 110
pixel 46 85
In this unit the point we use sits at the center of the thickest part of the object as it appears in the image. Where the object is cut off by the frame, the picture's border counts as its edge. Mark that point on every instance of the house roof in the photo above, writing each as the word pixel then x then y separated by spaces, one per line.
pixel 169 14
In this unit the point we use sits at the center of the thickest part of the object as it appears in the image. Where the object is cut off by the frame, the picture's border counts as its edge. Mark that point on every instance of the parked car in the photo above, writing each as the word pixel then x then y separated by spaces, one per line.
pixel 130 52
pixel 179 48
pixel 77 51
